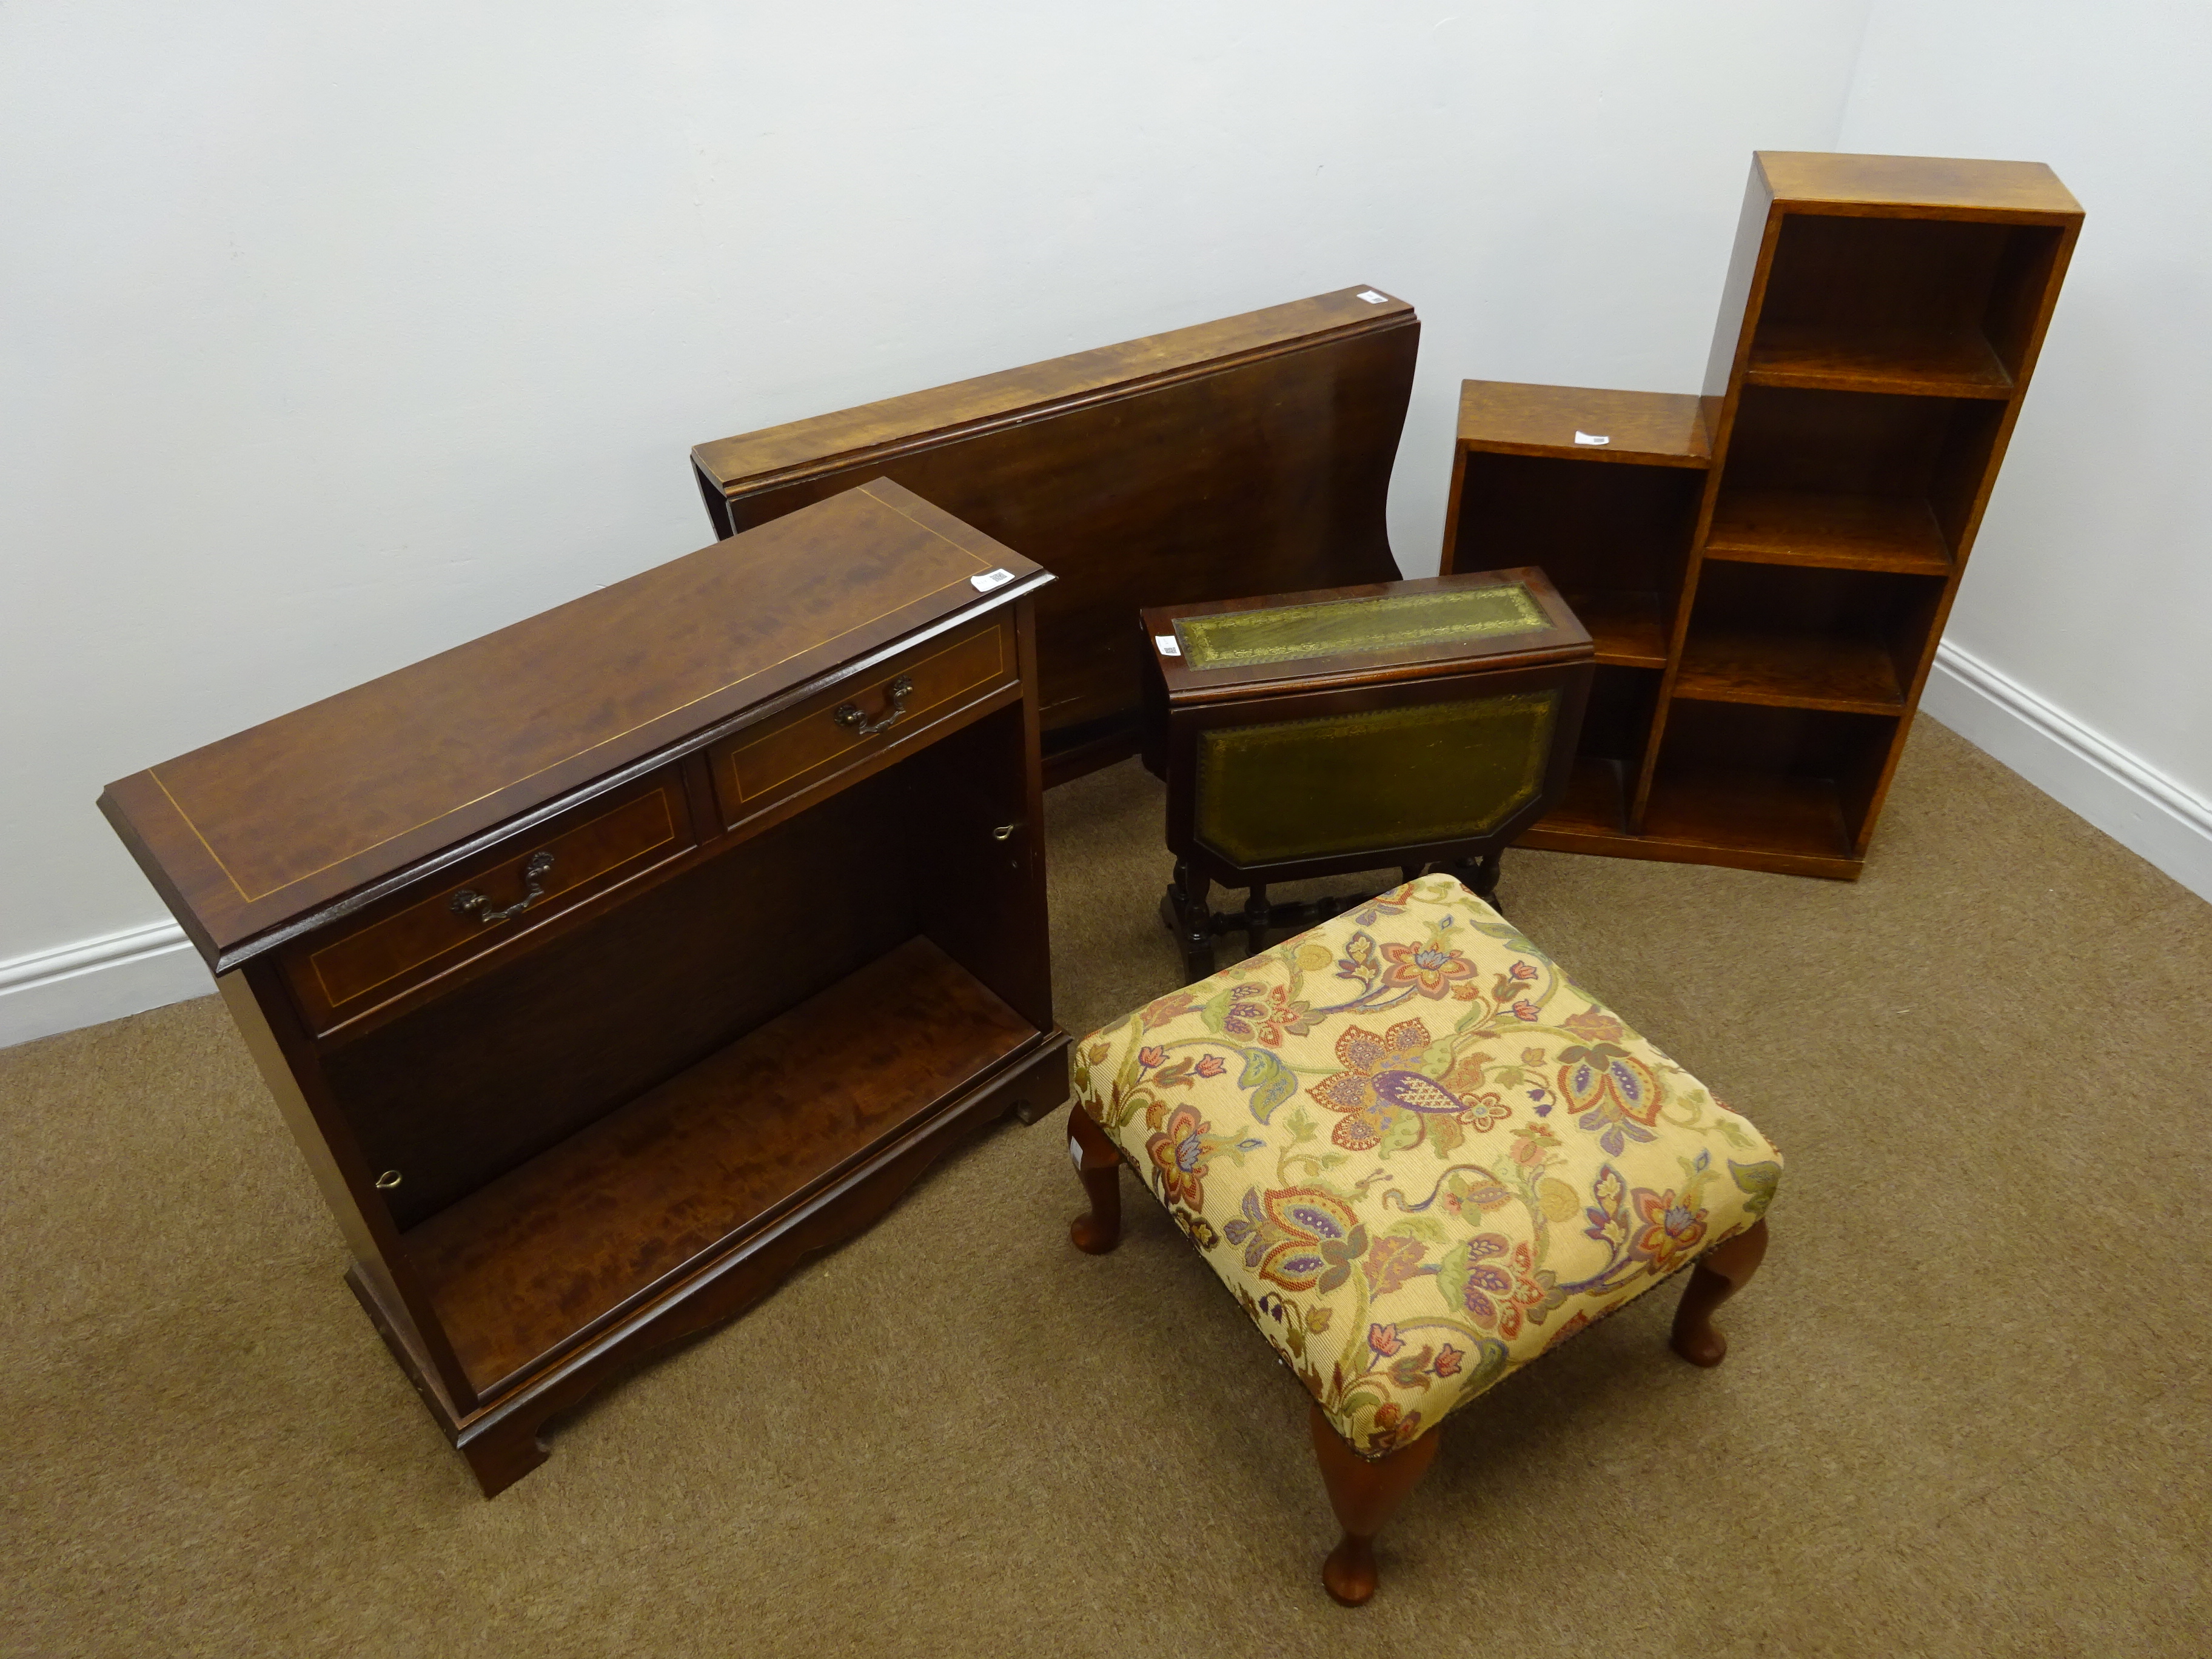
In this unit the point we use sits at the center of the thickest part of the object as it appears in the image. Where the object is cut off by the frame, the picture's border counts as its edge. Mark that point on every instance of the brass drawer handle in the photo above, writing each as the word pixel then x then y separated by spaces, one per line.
pixel 848 713
pixel 387 1180
pixel 468 899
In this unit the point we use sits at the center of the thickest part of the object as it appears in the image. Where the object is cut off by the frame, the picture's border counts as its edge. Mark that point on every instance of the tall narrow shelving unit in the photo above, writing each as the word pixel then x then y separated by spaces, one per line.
pixel 1766 567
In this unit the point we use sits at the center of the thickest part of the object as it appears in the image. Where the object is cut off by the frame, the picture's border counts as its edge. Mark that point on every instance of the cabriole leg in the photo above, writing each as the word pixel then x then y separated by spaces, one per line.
pixel 1099 1230
pixel 1720 1272
pixel 1365 1494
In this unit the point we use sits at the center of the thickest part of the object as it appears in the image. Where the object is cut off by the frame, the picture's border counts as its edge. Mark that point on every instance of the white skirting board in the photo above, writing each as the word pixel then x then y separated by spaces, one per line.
pixel 2142 809
pixel 99 979
pixel 126 973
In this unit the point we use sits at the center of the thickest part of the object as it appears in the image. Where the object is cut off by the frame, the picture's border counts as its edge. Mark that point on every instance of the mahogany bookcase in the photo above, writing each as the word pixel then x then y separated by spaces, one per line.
pixel 607 966
pixel 1766 567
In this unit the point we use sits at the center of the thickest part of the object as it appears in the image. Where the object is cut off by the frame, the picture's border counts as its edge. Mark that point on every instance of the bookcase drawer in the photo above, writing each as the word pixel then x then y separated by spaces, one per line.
pixel 342 972
pixel 891 704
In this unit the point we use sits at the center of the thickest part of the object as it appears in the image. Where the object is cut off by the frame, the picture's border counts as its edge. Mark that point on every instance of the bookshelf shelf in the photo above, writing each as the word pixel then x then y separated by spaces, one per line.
pixel 1629 629
pixel 535 1263
pixel 1596 799
pixel 1844 532
pixel 1740 810
pixel 1931 362
pixel 1791 671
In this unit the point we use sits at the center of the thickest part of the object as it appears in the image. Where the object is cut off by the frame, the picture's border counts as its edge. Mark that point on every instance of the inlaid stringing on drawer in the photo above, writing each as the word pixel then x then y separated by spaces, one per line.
pixel 758 768
pixel 397 947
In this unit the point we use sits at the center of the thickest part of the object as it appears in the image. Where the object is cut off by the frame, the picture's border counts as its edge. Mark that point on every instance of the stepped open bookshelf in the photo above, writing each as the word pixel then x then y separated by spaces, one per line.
pixel 1766 566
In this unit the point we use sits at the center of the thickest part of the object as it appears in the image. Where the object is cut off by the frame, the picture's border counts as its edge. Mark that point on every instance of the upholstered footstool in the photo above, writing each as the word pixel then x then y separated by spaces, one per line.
pixel 1419 1156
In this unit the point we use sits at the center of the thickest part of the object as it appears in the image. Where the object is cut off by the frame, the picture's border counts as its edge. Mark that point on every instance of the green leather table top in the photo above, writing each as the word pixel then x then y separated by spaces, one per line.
pixel 1337 627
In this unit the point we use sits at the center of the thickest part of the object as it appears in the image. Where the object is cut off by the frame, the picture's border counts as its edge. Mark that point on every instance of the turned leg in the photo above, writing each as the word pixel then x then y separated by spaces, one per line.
pixel 1485 877
pixel 1190 920
pixel 1099 1230
pixel 1480 876
pixel 1364 1493
pixel 1255 919
pixel 1720 1272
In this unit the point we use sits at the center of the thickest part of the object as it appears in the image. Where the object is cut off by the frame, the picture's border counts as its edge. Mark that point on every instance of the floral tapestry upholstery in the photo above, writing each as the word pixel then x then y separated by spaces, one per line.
pixel 1417 1153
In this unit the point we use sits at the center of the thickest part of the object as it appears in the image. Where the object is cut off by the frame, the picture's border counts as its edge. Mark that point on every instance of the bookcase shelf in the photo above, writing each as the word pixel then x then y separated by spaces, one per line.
pixel 1799 671
pixel 535 1263
pixel 1736 809
pixel 1597 801
pixel 1935 300
pixel 1616 727
pixel 1629 629
pixel 1845 532
pixel 1928 361
pixel 1766 566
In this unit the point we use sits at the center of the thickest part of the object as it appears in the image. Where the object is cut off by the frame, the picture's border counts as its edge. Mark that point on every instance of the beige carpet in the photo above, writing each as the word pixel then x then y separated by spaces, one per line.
pixel 1966 1410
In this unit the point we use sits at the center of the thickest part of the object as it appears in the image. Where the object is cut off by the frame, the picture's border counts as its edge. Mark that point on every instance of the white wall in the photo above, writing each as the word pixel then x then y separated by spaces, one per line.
pixel 337 336
pixel 2081 649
